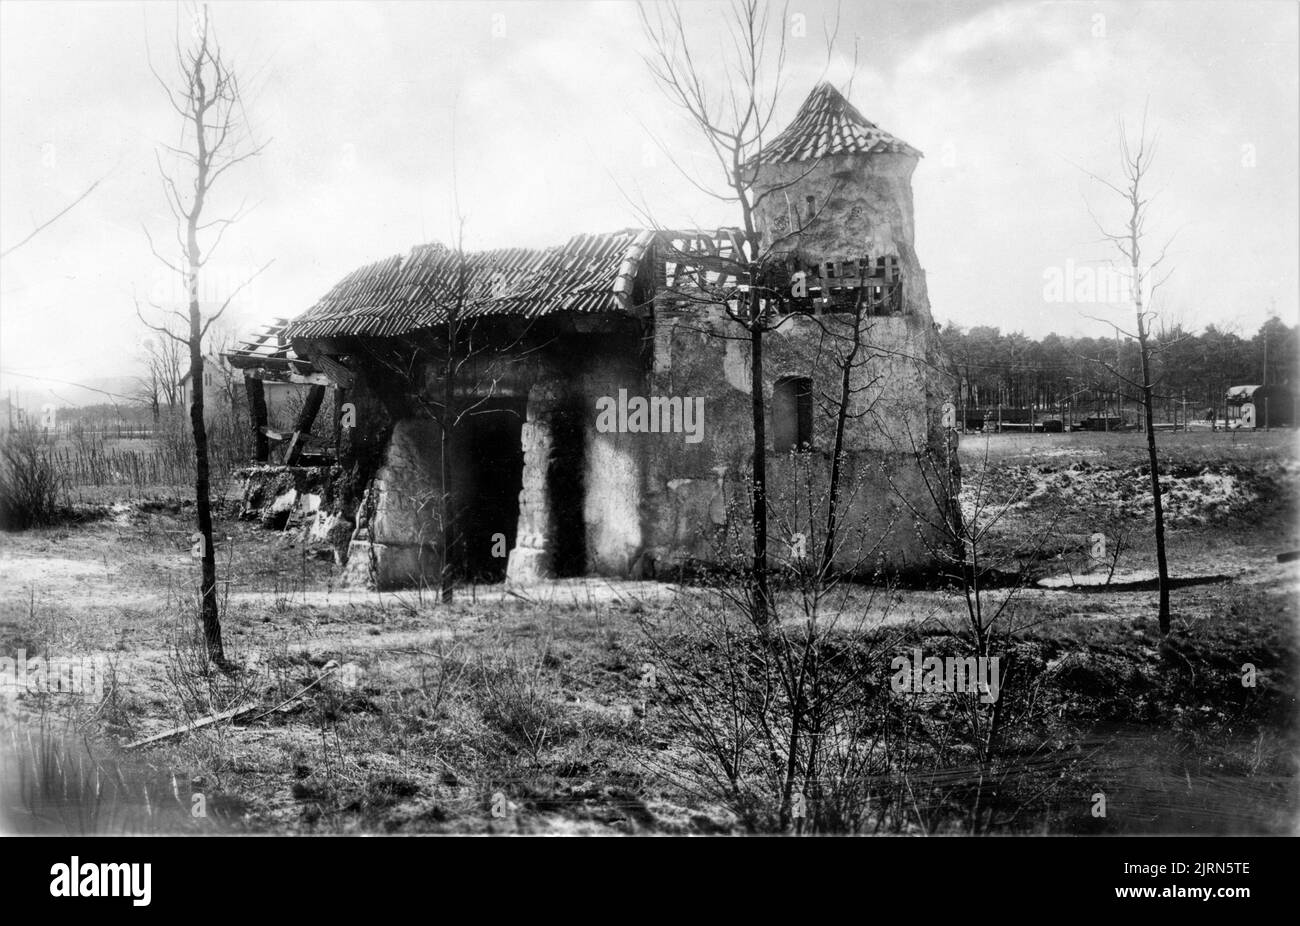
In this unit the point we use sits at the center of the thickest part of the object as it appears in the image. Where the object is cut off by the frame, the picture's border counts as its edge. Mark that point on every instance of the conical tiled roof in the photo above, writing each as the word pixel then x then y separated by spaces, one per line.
pixel 828 124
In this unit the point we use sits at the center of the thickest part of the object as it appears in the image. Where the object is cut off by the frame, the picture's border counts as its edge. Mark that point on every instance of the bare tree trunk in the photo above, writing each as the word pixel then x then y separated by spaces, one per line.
pixel 1148 403
pixel 837 449
pixel 207 98
pixel 758 499
pixel 448 421
pixel 1162 564
pixel 202 487
pixel 447 579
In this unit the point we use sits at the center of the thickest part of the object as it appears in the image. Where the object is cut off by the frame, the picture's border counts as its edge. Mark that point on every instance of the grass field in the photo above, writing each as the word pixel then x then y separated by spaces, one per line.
pixel 534 713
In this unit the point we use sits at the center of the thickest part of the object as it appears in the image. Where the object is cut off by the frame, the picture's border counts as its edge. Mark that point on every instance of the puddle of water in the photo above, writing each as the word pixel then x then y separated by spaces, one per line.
pixel 1099 582
pixel 52 783
pixel 1156 782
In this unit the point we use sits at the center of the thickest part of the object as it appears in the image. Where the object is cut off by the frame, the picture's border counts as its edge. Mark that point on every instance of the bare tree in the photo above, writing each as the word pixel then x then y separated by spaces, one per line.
pixel 447 414
pixel 790 707
pixel 734 120
pixel 1136 158
pixel 214 138
pixel 165 361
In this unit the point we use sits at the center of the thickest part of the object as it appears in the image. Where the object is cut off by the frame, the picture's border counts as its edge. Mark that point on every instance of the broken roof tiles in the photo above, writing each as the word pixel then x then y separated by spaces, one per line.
pixel 827 124
pixel 591 273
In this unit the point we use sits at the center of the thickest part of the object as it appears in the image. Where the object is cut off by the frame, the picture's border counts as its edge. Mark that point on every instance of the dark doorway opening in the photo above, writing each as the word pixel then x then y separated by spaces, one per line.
pixel 565 487
pixel 490 478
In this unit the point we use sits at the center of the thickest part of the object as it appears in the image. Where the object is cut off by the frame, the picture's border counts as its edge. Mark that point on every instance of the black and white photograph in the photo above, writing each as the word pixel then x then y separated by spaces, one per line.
pixel 729 418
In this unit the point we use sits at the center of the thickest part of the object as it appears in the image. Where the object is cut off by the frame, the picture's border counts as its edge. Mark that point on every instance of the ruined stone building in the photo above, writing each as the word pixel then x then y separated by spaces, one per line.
pixel 603 402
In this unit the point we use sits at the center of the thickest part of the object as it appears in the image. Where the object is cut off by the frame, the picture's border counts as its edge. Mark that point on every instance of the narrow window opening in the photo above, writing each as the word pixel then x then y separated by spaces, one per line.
pixel 792 414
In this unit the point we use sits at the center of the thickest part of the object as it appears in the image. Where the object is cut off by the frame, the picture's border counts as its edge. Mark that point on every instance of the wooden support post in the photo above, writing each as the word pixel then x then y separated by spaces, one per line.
pixel 302 428
pixel 257 417
pixel 340 397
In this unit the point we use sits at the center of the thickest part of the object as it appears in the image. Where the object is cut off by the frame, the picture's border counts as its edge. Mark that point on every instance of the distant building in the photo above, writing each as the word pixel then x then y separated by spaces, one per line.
pixel 1272 406
pixel 219 383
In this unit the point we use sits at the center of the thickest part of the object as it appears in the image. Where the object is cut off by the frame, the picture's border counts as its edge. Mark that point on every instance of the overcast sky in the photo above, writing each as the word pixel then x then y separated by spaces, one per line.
pixel 552 110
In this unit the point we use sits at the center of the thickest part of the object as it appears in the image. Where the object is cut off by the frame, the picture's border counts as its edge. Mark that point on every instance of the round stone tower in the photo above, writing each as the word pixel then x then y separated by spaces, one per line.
pixel 836 212
pixel 836 187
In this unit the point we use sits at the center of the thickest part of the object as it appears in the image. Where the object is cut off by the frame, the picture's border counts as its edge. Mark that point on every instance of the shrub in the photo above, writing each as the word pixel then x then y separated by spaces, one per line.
pixel 32 488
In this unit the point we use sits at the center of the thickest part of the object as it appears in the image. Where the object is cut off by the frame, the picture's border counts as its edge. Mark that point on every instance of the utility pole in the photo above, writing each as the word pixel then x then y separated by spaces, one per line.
pixel 1119 390
pixel 963 397
pixel 1263 377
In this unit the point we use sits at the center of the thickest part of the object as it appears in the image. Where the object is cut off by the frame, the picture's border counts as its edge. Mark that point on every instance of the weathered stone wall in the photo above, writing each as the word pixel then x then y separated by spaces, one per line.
pixel 397 542
pixel 652 501
pixel 692 490
pixel 862 204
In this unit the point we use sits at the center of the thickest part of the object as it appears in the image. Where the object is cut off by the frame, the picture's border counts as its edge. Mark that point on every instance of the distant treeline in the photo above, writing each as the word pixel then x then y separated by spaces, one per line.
pixel 1008 368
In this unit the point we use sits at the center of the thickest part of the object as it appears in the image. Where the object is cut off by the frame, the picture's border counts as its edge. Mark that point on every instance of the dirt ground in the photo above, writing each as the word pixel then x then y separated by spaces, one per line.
pixel 525 710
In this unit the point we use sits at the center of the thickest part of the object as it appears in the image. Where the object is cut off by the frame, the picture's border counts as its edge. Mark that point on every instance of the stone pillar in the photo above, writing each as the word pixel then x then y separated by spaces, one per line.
pixel 530 560
pixel 397 543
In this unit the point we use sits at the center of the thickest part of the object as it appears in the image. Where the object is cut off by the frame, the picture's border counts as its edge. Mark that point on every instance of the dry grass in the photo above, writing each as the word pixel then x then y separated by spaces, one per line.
pixel 505 716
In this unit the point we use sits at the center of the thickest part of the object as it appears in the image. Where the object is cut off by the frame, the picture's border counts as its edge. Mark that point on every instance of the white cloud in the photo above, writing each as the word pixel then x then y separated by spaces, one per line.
pixel 551 126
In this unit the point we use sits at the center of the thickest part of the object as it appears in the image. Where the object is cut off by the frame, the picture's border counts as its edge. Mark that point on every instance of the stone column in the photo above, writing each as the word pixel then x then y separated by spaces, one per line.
pixel 530 560
pixel 397 543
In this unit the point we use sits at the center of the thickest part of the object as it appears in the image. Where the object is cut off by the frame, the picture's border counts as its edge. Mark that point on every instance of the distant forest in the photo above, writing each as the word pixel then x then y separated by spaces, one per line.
pixel 995 367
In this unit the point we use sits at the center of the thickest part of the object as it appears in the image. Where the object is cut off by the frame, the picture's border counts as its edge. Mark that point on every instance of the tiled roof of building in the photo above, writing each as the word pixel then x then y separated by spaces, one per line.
pixel 589 274
pixel 828 124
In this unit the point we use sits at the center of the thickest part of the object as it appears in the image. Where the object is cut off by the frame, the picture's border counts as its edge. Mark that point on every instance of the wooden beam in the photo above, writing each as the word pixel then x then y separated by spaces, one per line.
pixel 302 428
pixel 340 396
pixel 257 414
pixel 338 373
pixel 285 376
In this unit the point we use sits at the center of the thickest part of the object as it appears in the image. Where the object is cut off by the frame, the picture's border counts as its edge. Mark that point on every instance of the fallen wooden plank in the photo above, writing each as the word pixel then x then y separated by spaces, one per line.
pixel 234 712
pixel 196 725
